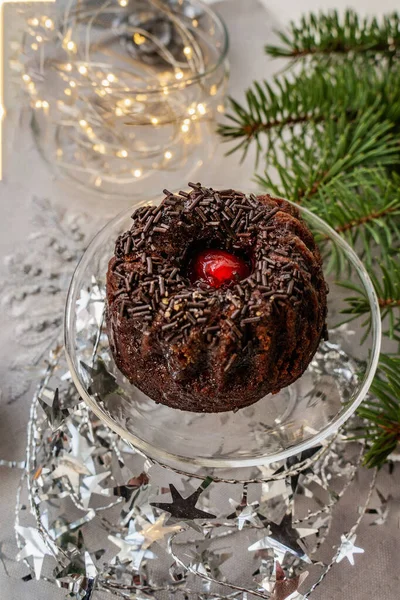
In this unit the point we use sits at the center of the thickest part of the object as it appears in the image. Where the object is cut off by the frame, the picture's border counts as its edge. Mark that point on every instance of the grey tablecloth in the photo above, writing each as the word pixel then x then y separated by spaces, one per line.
pixel 251 24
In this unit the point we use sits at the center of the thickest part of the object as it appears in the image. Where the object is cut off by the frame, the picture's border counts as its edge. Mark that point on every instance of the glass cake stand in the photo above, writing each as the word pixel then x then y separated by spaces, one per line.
pixel 279 426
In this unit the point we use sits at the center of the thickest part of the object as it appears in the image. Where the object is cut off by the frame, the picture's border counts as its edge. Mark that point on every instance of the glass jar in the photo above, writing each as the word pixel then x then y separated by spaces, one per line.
pixel 125 95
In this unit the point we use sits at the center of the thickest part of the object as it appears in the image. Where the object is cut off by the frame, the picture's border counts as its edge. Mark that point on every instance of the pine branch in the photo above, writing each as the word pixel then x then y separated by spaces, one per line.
pixel 330 139
pixel 342 91
pixel 386 282
pixel 312 161
pixel 382 412
pixel 364 207
pixel 330 35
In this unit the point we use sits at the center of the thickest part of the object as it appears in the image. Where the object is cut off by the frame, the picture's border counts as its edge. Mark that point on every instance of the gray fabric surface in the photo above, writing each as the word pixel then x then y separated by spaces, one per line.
pixel 377 572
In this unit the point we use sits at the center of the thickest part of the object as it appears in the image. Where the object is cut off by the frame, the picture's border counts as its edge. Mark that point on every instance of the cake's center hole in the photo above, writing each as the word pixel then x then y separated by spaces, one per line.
pixel 218 267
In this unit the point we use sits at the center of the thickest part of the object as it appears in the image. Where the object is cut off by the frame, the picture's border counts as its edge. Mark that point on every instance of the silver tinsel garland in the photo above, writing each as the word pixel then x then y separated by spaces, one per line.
pixel 107 518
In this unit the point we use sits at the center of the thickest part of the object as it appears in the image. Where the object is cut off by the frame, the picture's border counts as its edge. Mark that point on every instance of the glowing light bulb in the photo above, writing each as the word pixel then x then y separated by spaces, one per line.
pixel 213 90
pixel 137 172
pixel 99 148
pixel 168 155
pixel 67 92
pixel 111 77
pixel 38 104
pixel 195 23
pixel 82 70
pixel 220 108
pixel 185 128
pixel 45 104
pixel 31 86
pixel 139 39
pixel 123 2
pixel 71 46
pixel 48 24
pixel 127 102
pixel 26 77
pixel 178 74
pixel 186 121
pixel 72 83
pixel 154 120
pixel 34 22
pixel 122 153
pixel 34 46
pixel 83 123
pixel 201 108
pixel 165 91
pixel 119 112
pixel 188 51
pixel 68 67
pixel 39 38
pixel 105 82
pixel 191 111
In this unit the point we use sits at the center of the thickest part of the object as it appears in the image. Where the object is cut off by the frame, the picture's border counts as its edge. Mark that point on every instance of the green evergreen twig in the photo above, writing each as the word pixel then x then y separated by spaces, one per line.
pixel 329 135
pixel 382 412
pixel 331 35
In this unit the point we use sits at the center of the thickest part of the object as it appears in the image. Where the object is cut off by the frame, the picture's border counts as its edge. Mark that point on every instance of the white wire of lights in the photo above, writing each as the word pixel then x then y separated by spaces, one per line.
pixel 101 108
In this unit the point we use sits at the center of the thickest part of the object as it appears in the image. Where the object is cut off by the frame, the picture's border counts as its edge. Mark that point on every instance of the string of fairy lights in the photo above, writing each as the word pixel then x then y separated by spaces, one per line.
pixel 117 115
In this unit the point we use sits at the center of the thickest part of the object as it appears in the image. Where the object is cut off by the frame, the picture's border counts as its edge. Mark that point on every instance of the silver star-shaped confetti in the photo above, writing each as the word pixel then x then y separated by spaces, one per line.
pixel 284 538
pixel 381 511
pixel 154 532
pixel 54 413
pixel 348 549
pixel 244 512
pixel 131 547
pixel 275 498
pixel 90 307
pixel 101 382
pixel 35 547
pixel 72 468
pixel 80 447
pixel 184 509
pixel 91 485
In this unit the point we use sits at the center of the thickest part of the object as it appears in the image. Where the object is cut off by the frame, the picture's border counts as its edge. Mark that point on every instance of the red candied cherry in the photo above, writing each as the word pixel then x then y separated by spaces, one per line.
pixel 218 267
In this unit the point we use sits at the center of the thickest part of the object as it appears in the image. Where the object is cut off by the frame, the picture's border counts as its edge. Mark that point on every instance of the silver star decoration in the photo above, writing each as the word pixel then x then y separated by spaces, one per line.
pixel 91 570
pixel 80 447
pixel 54 413
pixel 184 509
pixel 90 307
pixel 382 511
pixel 71 467
pixel 35 547
pixel 101 382
pixel 208 562
pixel 91 485
pixel 244 512
pixel 131 547
pixel 154 532
pixel 348 549
pixel 284 538
pixel 275 498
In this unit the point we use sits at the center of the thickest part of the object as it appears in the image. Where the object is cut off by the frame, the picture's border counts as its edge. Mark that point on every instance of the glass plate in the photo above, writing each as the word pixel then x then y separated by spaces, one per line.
pixel 277 426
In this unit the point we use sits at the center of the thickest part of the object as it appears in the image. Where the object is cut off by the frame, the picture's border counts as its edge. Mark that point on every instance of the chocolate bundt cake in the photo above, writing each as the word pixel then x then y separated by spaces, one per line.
pixel 215 299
